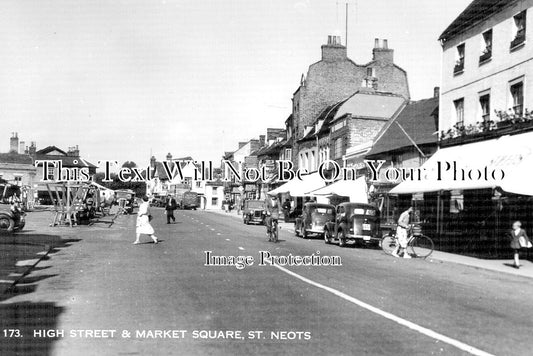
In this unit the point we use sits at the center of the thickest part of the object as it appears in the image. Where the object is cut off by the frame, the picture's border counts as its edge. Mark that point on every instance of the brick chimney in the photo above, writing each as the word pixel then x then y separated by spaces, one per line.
pixel 436 92
pixel 381 52
pixel 14 142
pixel 169 157
pixel 73 151
pixel 32 149
pixel 22 146
pixel 152 162
pixel 334 51
pixel 261 140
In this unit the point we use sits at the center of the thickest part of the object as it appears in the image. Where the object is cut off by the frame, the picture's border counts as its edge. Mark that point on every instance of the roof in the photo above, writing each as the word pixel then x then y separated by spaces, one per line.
pixel 13 157
pixel 66 161
pixel 477 11
pixel 417 119
pixel 370 104
pixel 49 149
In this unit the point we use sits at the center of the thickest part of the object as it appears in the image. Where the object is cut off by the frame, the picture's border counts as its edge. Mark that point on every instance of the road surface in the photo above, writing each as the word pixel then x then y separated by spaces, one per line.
pixel 89 294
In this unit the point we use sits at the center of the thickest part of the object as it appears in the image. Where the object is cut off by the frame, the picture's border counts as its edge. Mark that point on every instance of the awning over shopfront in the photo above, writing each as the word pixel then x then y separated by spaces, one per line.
pixel 356 190
pixel 300 188
pixel 506 162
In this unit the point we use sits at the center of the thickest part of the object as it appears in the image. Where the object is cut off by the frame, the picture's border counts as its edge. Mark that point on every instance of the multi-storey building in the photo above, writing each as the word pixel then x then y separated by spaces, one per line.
pixel 485 125
pixel 331 80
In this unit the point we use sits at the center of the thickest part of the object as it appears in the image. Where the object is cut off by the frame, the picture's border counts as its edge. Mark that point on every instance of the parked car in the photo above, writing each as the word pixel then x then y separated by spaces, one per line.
pixel 252 212
pixel 11 221
pixel 189 200
pixel 125 199
pixel 354 222
pixel 313 219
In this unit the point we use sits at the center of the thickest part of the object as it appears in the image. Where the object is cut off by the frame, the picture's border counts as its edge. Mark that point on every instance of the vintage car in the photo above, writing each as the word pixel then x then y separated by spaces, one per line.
pixel 313 219
pixel 354 222
pixel 252 212
pixel 10 220
pixel 125 200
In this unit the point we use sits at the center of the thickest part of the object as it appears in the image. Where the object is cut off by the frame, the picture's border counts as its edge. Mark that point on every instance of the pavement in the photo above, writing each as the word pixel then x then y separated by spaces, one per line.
pixel 497 265
pixel 97 294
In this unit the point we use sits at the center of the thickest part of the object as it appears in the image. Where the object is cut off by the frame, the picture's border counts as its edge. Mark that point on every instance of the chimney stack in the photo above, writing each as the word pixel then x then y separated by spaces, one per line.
pixel 436 92
pixel 152 162
pixel 261 140
pixel 169 157
pixel 32 149
pixel 73 151
pixel 14 142
pixel 382 53
pixel 22 145
pixel 334 51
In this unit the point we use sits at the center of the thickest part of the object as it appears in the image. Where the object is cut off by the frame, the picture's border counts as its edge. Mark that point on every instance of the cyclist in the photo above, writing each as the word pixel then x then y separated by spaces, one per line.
pixel 272 213
pixel 401 233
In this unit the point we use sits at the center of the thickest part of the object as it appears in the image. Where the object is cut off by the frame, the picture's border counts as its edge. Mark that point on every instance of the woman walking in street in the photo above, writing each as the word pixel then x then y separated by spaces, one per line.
pixel 519 240
pixel 143 222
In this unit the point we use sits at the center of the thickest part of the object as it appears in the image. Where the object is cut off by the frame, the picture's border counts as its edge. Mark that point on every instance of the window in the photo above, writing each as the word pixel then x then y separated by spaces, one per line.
pixel 214 201
pixel 517 97
pixel 459 59
pixel 486 53
pixel 370 72
pixel 214 190
pixel 338 147
pixel 459 112
pixel 288 154
pixel 519 29
pixel 484 103
pixel 198 184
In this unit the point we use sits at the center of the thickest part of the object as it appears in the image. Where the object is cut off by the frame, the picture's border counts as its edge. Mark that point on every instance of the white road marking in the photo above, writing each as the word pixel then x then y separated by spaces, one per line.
pixel 425 331
pixel 218 233
pixel 241 248
pixel 212 229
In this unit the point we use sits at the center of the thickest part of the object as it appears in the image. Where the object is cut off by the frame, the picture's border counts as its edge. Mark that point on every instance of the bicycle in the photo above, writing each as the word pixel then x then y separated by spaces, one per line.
pixel 420 246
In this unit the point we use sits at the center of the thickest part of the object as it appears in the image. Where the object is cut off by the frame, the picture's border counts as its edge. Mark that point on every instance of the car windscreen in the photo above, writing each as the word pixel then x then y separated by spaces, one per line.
pixel 322 211
pixel 355 210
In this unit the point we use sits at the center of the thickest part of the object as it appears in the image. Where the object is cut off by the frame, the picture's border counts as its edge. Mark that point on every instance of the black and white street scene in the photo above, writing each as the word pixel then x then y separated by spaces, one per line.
pixel 242 177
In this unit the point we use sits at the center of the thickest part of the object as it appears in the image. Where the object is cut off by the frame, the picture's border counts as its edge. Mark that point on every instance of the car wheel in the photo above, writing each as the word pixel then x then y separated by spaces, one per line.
pixel 305 235
pixel 327 237
pixel 341 237
pixel 6 224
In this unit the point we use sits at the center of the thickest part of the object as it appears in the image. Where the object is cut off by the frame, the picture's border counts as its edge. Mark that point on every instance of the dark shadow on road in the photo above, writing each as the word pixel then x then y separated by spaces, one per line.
pixel 28 318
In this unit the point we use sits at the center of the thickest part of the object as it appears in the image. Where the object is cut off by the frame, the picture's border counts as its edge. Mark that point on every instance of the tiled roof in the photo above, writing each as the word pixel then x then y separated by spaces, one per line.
pixel 477 11
pixel 13 157
pixel 418 119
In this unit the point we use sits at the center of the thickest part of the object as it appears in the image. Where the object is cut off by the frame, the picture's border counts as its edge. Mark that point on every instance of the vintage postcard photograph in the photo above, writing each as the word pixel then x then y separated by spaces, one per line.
pixel 282 177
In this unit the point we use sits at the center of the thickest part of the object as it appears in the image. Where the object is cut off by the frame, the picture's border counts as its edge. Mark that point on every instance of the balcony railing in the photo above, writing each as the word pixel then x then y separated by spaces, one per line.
pixel 511 120
pixel 519 38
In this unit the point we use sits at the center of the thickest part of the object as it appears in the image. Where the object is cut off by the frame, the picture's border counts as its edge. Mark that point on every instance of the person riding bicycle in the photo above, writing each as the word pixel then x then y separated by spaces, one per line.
pixel 402 232
pixel 272 212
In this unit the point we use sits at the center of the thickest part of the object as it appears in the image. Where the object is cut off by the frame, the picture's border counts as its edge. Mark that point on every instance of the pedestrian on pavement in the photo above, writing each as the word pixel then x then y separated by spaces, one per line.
pixel 401 233
pixel 143 222
pixel 286 210
pixel 519 240
pixel 170 206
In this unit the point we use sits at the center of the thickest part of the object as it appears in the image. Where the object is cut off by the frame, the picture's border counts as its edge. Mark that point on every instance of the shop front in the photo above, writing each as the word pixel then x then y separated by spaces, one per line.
pixel 471 194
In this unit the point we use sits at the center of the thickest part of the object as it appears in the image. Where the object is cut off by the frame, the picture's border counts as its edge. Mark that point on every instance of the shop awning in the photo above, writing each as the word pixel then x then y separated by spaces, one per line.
pixel 477 166
pixel 356 190
pixel 300 188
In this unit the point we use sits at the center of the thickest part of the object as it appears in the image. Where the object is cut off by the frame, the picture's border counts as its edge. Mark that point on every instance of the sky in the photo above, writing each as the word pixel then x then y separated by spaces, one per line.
pixel 126 79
